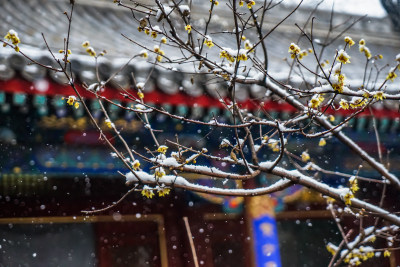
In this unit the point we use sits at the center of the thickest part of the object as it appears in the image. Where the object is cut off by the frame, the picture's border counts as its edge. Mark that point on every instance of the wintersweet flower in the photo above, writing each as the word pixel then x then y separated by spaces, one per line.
pixel 91 51
pixel 386 253
pixel 353 184
pixel 144 54
pixel 343 57
pixel 331 248
pixel 85 44
pixel 344 104
pixel 349 41
pixel 164 40
pixel 76 105
pixel 347 198
pixel 208 41
pixel 379 95
pixel 188 28
pixel 242 55
pixel 136 165
pixel 305 156
pixel 251 3
pixel 163 191
pixel 147 192
pixel 248 45
pixel 13 37
pixel 357 102
pixel 108 123
pixel 322 142
pixel 159 173
pixel 314 103
pixel 71 99
pixel 391 76
pixel 274 146
pixel 294 49
pixel 162 149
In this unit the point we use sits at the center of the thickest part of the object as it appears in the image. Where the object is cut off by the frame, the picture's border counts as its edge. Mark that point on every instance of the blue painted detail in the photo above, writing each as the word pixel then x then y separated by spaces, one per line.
pixel 266 243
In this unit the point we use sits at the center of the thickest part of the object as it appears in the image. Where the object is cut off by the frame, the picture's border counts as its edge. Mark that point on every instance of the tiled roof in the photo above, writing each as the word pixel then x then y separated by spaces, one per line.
pixel 102 23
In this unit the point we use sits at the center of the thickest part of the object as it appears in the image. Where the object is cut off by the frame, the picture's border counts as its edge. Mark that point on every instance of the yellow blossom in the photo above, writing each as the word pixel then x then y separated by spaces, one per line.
pixel 147 31
pixel 357 102
pixel 305 156
pixel 379 95
pixel 85 44
pixel 314 103
pixel 322 142
pixel 349 41
pixel 242 56
pixel 343 57
pixel 144 54
pixel 61 51
pixel 243 38
pixel 391 76
pixel 71 100
pixel 250 3
pixel 188 28
pixel 248 46
pixel 13 37
pixel 140 95
pixel 147 192
pixel 225 54
pixel 361 42
pixel 331 248
pixel 164 40
pixel 163 191
pixel 159 58
pixel 386 253
pixel 154 34
pixel 162 149
pixel 159 173
pixel 331 118
pixel 367 52
pixel 136 165
pixel 294 49
pixel 91 51
pixel 208 41
pixel 241 3
pixel 344 104
pixel 347 198
pixel 353 184
pixel 76 105
pixel 108 123
pixel 274 146
pixel 310 50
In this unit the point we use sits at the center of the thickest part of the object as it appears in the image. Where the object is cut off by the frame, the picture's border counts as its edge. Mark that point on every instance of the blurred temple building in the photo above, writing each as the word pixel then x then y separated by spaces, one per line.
pixel 53 164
